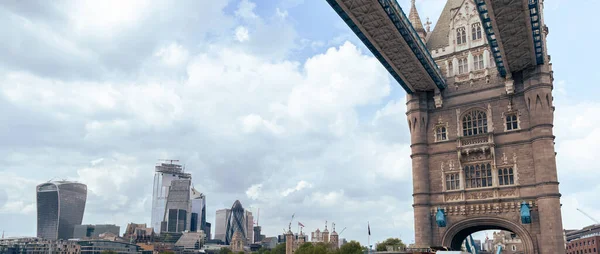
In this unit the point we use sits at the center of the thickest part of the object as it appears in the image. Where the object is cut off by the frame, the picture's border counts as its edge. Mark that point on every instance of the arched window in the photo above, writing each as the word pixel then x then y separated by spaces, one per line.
pixel 514 248
pixel 474 123
pixel 477 176
pixel 441 133
pixel 476 31
pixel 478 62
pixel 463 66
pixel 461 35
pixel 506 176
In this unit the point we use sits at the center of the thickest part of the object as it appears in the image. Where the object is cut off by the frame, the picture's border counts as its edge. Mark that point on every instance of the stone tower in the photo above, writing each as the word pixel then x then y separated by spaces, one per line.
pixel 483 149
pixel 301 239
pixel 334 238
pixel 325 234
pixel 289 242
pixel 237 242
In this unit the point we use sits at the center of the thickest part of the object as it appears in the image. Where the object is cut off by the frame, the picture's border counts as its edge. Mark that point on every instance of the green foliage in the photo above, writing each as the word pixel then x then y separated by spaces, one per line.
pixel 164 252
pixel 262 250
pixel 390 241
pixel 353 247
pixel 309 248
pixel 279 249
pixel 108 252
pixel 225 251
pixel 241 252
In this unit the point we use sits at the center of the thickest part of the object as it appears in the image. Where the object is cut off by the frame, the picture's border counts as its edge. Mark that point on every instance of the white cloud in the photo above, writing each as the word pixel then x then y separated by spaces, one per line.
pixel 246 10
pixel 254 191
pixel 241 34
pixel 301 185
pixel 106 17
pixel 173 54
pixel 282 14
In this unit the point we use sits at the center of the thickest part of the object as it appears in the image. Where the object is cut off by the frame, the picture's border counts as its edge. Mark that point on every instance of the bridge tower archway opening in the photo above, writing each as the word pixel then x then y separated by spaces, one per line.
pixel 458 233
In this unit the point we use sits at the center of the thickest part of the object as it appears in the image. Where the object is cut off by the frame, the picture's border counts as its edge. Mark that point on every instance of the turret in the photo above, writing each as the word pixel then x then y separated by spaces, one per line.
pixel 415 20
pixel 325 234
pixel 334 239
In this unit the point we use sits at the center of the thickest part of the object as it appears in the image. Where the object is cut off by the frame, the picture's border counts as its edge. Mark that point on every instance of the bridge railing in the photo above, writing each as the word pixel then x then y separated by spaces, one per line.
pixel 395 13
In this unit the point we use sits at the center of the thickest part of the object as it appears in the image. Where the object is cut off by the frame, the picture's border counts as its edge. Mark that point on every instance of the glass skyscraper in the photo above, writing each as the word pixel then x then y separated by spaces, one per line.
pixel 165 174
pixel 60 206
pixel 198 217
pixel 237 222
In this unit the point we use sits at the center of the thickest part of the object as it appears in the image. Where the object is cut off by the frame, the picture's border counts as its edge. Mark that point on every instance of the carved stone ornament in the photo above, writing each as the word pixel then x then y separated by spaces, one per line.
pixel 515 158
pixel 507 193
pixel 495 208
pixel 451 165
pixel 453 197
pixel 480 195
pixel 442 166
pixel 504 159
pixel 509 84
pixel 438 100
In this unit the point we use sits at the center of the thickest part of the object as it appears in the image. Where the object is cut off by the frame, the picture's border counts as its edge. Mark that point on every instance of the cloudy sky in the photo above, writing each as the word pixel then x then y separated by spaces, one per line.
pixel 274 103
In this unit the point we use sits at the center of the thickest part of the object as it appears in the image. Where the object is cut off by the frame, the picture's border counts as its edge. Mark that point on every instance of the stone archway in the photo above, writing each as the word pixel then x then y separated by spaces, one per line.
pixel 455 234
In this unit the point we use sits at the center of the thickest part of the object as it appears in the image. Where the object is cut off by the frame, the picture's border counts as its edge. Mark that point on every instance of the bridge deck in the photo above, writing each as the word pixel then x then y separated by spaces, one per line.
pixel 514 30
pixel 384 28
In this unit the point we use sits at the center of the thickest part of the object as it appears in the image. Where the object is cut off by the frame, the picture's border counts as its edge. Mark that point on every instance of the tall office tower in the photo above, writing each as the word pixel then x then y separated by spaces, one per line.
pixel 249 227
pixel 165 173
pixel 207 228
pixel 257 238
pixel 178 207
pixel 60 206
pixel 236 222
pixel 221 219
pixel 198 217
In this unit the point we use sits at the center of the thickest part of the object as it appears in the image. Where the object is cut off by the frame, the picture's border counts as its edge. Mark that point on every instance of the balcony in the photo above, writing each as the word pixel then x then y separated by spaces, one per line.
pixel 475 148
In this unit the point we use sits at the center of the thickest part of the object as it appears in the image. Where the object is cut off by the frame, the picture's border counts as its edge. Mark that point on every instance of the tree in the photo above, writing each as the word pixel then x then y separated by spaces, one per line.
pixel 279 249
pixel 353 247
pixel 397 243
pixel 225 251
pixel 108 252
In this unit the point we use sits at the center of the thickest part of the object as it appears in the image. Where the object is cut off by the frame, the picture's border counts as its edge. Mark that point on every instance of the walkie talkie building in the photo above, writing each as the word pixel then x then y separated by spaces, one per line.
pixel 60 206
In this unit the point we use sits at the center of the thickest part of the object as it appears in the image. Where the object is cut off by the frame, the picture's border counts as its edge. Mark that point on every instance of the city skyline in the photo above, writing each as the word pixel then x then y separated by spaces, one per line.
pixel 102 115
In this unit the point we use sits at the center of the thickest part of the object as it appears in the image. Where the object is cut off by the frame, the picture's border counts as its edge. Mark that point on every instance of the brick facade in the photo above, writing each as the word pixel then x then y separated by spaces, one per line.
pixel 527 150
pixel 584 245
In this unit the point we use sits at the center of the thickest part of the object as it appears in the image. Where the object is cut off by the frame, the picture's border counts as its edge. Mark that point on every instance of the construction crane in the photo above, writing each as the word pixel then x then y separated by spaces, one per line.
pixel 258 217
pixel 587 215
pixel 342 231
pixel 170 161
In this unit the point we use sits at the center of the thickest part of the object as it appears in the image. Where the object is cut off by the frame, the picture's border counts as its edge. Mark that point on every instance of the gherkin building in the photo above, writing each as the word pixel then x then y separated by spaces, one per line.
pixel 236 222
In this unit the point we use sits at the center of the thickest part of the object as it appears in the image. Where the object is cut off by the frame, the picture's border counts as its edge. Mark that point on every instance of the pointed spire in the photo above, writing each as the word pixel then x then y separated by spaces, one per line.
pixel 415 20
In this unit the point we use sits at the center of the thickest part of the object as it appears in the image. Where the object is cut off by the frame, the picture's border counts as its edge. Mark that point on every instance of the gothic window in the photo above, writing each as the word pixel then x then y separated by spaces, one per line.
pixel 492 61
pixel 506 176
pixel 441 133
pixel 514 248
pixel 478 62
pixel 476 31
pixel 461 35
pixel 512 122
pixel 463 66
pixel 474 123
pixel 452 181
pixel 478 176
